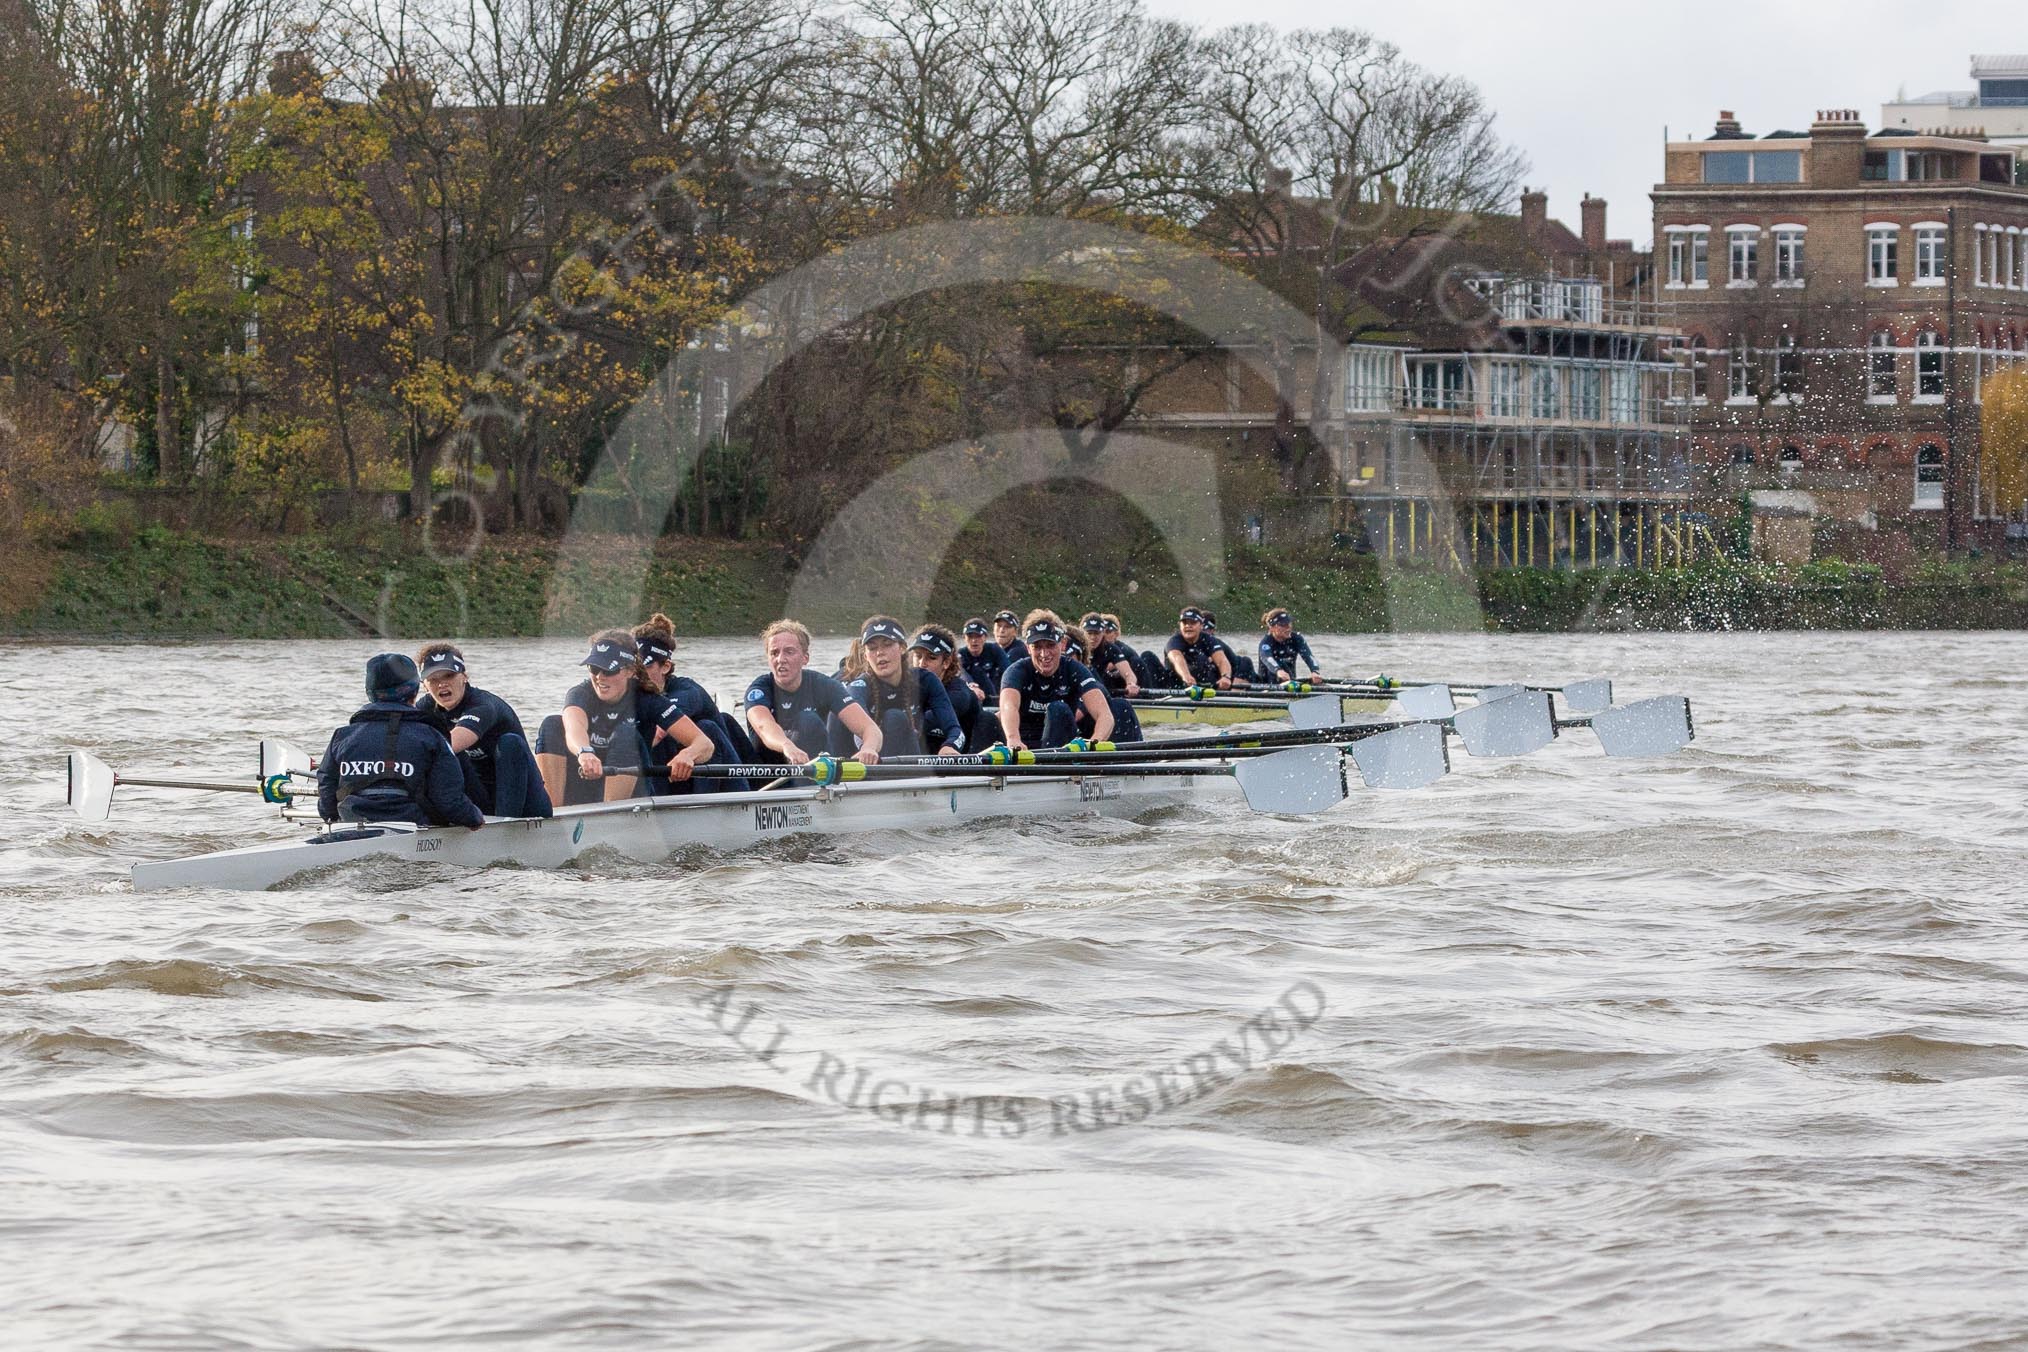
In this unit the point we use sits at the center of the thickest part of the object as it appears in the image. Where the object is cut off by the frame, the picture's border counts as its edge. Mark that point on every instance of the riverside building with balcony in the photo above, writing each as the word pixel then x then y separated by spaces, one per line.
pixel 1502 391
pixel 1846 295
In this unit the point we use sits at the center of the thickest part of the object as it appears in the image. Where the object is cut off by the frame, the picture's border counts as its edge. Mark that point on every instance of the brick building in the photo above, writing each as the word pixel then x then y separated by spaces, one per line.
pixel 1502 391
pixel 1845 297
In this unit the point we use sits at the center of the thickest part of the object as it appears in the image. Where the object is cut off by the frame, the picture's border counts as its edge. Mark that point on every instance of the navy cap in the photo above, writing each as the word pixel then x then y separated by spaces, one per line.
pixel 611 657
pixel 653 649
pixel 932 643
pixel 1190 614
pixel 887 629
pixel 391 676
pixel 1045 631
pixel 1281 617
pixel 438 661
pixel 1094 625
pixel 978 627
pixel 1111 626
pixel 1006 617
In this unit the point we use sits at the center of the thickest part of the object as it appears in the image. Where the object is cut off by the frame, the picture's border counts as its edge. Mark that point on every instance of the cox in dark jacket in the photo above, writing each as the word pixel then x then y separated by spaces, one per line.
pixel 390 763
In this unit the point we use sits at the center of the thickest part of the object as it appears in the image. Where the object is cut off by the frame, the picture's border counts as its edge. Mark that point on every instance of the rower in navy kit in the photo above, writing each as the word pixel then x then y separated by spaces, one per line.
pixel 1242 667
pixel 1007 633
pixel 493 752
pixel 1113 663
pixel 935 649
pixel 1281 647
pixel 598 734
pixel 982 659
pixel 391 762
pixel 655 639
pixel 787 706
pixel 1043 692
pixel 1193 656
pixel 661 700
pixel 910 705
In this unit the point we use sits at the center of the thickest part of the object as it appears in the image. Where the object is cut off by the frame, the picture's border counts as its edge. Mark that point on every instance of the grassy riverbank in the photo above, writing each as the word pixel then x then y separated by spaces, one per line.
pixel 161 584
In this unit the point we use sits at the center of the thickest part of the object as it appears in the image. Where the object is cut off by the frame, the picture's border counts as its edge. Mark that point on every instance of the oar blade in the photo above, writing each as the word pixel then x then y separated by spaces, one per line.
pixel 1426 701
pixel 1406 758
pixel 1317 711
pixel 1513 726
pixel 282 758
pixel 1589 696
pixel 1648 727
pixel 1293 783
pixel 91 786
pixel 1493 694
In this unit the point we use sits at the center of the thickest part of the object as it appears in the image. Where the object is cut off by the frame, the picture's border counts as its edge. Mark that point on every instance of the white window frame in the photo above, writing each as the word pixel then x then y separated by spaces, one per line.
pixel 1689 256
pixel 1542 392
pixel 1791 257
pixel 2012 270
pixel 1930 480
pixel 1625 394
pixel 1503 388
pixel 1929 352
pixel 1372 379
pixel 1979 239
pixel 1883 254
pixel 1742 255
pixel 1932 253
pixel 1875 349
pixel 1587 393
pixel 1786 347
pixel 1739 374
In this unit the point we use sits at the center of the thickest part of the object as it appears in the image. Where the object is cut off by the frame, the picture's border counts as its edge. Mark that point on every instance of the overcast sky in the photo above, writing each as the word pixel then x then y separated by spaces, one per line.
pixel 1585 89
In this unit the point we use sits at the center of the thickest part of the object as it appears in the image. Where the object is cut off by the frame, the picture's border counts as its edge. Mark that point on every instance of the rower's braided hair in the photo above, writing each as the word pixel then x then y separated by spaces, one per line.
pixel 661 627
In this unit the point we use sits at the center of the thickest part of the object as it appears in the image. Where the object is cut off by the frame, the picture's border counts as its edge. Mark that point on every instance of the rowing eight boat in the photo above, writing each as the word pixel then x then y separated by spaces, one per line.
pixel 651 829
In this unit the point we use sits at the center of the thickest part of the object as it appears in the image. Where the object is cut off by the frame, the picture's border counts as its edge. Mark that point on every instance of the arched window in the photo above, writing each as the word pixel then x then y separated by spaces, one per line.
pixel 1929 477
pixel 1792 460
pixel 1880 368
pixel 1742 454
pixel 1929 367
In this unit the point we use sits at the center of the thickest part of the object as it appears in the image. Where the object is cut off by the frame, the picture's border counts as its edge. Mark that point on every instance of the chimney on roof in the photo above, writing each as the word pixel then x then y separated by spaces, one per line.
pixel 292 72
pixel 1279 181
pixel 1594 209
pixel 1534 211
pixel 1727 128
pixel 1837 148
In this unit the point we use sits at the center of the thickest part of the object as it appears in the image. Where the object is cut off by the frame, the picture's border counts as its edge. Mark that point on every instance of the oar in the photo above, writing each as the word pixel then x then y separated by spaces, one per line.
pixel 1508 727
pixel 1432 700
pixel 1579 697
pixel 1648 727
pixel 1295 781
pixel 92 781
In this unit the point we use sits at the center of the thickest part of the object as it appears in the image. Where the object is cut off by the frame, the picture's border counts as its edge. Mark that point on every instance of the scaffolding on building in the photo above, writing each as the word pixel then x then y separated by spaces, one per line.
pixel 1563 444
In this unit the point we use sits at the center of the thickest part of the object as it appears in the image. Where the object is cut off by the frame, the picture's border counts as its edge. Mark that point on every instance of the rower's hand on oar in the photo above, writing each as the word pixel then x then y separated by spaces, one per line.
pixel 1225 682
pixel 1133 689
pixel 867 756
pixel 947 751
pixel 794 754
pixel 679 770
pixel 589 766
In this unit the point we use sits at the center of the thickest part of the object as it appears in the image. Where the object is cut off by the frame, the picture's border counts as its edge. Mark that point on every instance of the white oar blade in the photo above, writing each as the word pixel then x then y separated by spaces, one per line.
pixel 1493 694
pixel 1649 727
pixel 91 786
pixel 1317 711
pixel 1407 758
pixel 1426 701
pixel 1293 783
pixel 1588 696
pixel 1514 726
pixel 281 758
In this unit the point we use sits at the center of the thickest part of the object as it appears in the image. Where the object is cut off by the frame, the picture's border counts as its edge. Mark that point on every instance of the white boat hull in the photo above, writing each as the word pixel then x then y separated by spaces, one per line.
pixel 650 829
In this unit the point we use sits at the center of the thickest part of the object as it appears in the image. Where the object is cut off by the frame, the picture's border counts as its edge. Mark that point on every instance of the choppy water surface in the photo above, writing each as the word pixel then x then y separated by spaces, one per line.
pixel 1724 1051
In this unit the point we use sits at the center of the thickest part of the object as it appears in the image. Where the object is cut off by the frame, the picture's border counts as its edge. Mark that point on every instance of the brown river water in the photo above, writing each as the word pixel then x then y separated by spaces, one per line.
pixel 1722 1051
